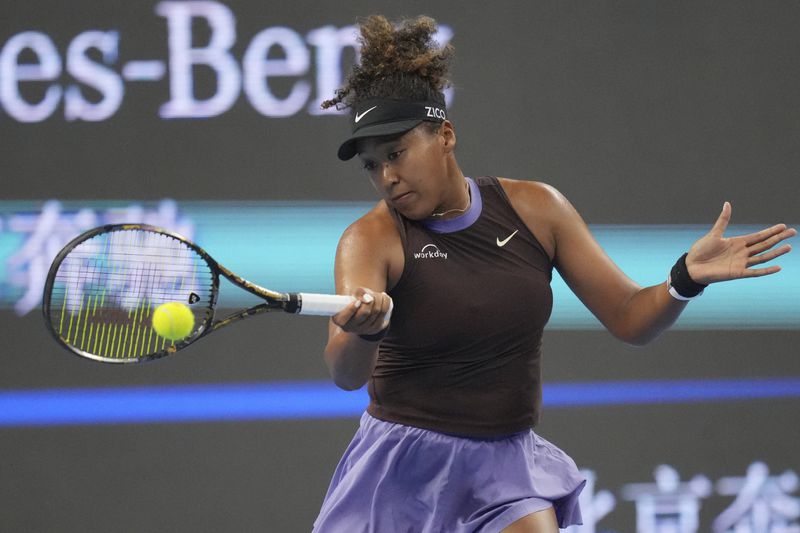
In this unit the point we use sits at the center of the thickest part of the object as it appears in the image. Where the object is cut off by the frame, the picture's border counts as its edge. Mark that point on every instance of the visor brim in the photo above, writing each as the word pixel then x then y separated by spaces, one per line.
pixel 349 148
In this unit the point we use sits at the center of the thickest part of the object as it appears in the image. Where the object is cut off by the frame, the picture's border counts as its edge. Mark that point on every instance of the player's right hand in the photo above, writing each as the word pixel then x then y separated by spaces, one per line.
pixel 368 314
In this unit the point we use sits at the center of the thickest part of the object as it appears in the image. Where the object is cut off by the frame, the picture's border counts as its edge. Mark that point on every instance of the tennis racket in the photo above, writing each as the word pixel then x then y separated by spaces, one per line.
pixel 103 287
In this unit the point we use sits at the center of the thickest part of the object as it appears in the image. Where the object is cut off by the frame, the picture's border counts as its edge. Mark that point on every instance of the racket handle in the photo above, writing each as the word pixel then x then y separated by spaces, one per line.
pixel 322 304
pixel 329 304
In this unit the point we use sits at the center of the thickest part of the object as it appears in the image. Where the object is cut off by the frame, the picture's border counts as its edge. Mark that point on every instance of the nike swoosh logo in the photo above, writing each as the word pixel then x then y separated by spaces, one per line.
pixel 505 241
pixel 359 116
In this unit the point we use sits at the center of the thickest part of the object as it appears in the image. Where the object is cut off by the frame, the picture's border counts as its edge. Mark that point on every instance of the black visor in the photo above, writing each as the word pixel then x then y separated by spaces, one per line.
pixel 379 117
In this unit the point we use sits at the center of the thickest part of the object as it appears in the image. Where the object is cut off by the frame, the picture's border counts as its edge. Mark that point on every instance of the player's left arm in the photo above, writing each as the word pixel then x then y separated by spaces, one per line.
pixel 632 313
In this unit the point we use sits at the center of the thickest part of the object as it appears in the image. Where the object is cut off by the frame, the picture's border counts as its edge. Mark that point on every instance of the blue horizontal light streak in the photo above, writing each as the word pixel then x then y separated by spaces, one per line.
pixel 321 400
pixel 177 403
pixel 668 392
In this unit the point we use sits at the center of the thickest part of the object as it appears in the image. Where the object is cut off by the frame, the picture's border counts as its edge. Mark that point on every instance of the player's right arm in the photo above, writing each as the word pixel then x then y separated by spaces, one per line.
pixel 366 259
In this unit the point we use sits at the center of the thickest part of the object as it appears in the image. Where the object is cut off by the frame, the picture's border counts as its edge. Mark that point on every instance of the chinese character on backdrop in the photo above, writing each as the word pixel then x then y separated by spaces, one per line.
pixel 48 231
pixel 668 505
pixel 763 503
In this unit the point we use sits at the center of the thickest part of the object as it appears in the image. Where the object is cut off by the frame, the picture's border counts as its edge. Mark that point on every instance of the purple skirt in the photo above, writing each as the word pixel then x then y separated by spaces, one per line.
pixel 396 478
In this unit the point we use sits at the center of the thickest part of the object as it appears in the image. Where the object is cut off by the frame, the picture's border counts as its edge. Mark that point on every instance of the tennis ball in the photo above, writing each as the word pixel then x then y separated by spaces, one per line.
pixel 173 320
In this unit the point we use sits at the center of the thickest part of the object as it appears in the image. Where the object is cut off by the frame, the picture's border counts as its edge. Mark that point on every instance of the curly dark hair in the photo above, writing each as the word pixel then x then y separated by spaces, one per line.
pixel 397 61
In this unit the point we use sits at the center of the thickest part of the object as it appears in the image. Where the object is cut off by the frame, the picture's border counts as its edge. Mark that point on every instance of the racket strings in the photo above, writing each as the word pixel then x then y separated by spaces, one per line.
pixel 106 288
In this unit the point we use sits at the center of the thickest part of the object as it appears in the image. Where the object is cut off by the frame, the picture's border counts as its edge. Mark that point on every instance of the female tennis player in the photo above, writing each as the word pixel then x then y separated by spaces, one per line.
pixel 454 377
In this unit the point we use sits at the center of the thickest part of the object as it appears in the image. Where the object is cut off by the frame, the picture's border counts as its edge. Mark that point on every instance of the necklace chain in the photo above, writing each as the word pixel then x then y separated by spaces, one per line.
pixel 443 213
pixel 469 202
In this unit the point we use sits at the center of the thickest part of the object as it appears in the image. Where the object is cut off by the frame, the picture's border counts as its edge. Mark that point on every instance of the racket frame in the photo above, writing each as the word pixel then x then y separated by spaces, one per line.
pixel 273 300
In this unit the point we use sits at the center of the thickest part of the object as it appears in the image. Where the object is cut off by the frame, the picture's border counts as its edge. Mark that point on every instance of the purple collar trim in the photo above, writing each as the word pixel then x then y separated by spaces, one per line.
pixel 462 221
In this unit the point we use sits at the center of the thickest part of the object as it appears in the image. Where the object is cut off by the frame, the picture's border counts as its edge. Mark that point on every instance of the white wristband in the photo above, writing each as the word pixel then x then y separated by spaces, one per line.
pixel 677 296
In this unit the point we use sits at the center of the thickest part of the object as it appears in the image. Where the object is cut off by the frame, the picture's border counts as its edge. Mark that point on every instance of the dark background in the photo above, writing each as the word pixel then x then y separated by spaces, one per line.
pixel 640 112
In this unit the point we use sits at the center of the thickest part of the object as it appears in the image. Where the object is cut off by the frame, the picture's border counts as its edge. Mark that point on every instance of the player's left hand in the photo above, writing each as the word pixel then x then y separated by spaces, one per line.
pixel 716 258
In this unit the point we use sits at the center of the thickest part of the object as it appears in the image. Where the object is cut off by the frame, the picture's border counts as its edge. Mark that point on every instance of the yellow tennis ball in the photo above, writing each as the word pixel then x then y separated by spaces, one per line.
pixel 173 320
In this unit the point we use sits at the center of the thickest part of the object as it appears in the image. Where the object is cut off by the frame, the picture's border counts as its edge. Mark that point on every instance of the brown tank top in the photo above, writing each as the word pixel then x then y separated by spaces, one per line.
pixel 462 354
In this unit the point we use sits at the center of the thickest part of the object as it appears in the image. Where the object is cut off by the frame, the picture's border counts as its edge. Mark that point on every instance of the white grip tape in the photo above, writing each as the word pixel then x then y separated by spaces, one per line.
pixel 330 304
pixel 323 304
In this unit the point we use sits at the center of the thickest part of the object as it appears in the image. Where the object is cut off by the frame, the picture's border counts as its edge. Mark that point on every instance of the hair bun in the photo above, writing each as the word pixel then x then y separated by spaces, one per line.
pixel 400 61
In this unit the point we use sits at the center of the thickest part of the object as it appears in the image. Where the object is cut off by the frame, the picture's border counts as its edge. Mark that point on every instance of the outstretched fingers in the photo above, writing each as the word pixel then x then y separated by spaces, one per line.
pixel 766 238
pixel 768 256
pixel 762 241
pixel 761 248
pixel 758 272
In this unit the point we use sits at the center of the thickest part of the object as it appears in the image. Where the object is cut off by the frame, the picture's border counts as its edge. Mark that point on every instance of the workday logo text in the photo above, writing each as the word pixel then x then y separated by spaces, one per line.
pixel 430 251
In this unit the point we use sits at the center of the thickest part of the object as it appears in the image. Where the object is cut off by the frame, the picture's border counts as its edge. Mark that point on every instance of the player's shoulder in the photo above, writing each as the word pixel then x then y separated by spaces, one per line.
pixel 376 226
pixel 537 196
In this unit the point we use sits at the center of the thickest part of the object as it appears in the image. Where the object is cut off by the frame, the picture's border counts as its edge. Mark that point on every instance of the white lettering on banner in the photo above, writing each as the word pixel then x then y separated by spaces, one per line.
pixel 762 503
pixel 12 73
pixel 259 68
pixel 103 79
pixel 668 505
pixel 216 55
pixel 330 43
pixel 273 53
pixel 48 231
